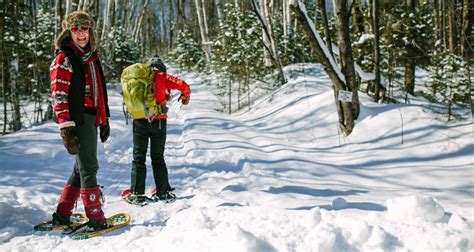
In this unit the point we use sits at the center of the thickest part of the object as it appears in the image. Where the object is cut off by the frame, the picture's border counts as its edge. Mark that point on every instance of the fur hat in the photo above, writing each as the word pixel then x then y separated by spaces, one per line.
pixel 157 64
pixel 76 19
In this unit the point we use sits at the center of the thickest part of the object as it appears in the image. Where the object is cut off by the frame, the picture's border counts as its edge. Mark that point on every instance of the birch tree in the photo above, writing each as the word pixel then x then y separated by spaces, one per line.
pixel 3 60
pixel 139 22
pixel 270 48
pixel 205 44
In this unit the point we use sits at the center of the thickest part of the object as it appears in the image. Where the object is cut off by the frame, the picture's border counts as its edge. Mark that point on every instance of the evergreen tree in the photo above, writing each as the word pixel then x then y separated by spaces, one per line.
pixel 451 81
pixel 187 53
pixel 238 51
pixel 121 52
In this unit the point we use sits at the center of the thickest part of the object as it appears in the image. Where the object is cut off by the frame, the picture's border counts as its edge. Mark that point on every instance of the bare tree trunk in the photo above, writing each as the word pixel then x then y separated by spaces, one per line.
pixel 345 53
pixel 3 60
pixel 172 24
pixel 375 25
pixel 344 109
pixel 286 25
pixel 106 19
pixel 68 7
pixel 327 34
pixel 128 21
pixel 162 22
pixel 357 17
pixel 202 28
pixel 267 60
pixel 204 18
pixel 79 5
pixel 410 65
pixel 14 84
pixel 57 17
pixel 181 16
pixel 452 39
pixel 443 24
pixel 220 12
pixel 467 19
pixel 138 25
pixel 266 23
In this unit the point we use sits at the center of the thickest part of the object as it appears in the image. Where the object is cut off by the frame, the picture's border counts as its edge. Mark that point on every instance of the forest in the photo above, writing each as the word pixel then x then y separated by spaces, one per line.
pixel 377 45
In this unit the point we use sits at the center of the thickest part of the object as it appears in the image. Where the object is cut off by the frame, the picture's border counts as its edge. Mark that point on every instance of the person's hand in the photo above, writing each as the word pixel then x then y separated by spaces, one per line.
pixel 168 95
pixel 184 99
pixel 104 132
pixel 70 140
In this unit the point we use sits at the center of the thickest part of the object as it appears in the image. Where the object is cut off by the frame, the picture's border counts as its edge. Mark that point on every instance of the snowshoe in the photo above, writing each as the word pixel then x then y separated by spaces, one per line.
pixel 60 222
pixel 167 197
pixel 95 228
pixel 134 199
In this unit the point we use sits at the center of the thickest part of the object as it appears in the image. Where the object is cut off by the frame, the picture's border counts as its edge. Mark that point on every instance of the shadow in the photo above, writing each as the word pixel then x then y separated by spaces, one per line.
pixel 234 188
pixel 365 206
pixel 229 204
pixel 312 192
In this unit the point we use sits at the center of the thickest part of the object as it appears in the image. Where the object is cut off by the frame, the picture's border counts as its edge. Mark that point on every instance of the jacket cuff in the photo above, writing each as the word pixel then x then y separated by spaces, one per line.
pixel 67 124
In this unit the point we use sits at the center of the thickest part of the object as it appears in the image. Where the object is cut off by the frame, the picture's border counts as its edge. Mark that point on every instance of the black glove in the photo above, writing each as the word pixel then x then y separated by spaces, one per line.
pixel 184 99
pixel 104 132
pixel 70 140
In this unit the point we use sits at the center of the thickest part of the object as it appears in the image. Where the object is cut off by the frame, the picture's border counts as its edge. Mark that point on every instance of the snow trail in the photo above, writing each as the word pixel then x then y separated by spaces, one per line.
pixel 275 178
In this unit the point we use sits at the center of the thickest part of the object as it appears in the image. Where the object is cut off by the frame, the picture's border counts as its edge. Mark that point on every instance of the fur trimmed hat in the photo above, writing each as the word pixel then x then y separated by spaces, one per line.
pixel 76 19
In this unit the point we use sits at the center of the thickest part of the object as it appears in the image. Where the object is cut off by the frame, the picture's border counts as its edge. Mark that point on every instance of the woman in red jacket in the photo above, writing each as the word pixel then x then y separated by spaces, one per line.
pixel 155 132
pixel 79 99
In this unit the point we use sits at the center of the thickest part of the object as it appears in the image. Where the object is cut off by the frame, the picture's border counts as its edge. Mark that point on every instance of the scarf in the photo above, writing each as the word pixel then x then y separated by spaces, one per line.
pixel 91 68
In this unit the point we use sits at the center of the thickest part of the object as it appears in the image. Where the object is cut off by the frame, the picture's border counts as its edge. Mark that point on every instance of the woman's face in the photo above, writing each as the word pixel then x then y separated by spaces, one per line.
pixel 80 35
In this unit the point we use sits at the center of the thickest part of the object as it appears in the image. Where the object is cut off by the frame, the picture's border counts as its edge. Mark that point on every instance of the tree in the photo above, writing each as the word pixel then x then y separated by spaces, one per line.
pixel 467 40
pixel 345 55
pixel 267 28
pixel 410 64
pixel 203 30
pixel 344 109
pixel 451 77
pixel 375 28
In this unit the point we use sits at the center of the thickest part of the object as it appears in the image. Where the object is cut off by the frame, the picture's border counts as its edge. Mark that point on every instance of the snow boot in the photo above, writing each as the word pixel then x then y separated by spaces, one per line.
pixel 165 196
pixel 134 199
pixel 93 207
pixel 66 202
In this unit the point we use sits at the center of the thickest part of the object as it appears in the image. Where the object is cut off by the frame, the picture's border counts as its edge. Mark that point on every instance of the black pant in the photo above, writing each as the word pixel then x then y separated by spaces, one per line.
pixel 84 174
pixel 156 132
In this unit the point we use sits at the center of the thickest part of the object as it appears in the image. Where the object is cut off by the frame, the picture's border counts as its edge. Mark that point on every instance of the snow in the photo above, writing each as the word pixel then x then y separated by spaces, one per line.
pixel 363 38
pixel 277 177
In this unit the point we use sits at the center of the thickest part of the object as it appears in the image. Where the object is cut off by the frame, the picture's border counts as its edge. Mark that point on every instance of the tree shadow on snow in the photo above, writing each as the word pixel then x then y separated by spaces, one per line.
pixel 366 206
pixel 312 191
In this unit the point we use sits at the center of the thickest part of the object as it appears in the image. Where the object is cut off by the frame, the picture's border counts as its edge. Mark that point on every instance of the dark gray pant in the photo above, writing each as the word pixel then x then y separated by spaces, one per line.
pixel 156 132
pixel 84 174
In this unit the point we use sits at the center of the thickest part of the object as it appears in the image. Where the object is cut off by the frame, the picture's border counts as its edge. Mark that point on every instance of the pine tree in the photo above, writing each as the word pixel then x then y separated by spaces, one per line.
pixel 121 52
pixel 451 80
pixel 187 53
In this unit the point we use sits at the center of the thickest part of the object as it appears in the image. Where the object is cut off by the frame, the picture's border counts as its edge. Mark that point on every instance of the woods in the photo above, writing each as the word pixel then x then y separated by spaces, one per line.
pixel 375 47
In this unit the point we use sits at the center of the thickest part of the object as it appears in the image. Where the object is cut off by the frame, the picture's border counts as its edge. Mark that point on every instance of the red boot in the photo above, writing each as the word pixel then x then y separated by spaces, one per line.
pixel 67 200
pixel 93 207
pixel 92 204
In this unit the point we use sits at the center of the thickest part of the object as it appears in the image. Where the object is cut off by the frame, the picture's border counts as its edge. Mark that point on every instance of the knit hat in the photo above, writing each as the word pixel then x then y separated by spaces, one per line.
pixel 157 64
pixel 76 19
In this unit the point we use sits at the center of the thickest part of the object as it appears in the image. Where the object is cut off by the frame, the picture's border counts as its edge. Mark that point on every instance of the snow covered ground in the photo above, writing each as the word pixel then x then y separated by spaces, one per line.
pixel 279 177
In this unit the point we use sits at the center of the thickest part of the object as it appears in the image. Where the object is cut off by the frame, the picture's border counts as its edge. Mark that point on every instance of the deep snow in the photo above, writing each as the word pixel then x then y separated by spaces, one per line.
pixel 279 177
